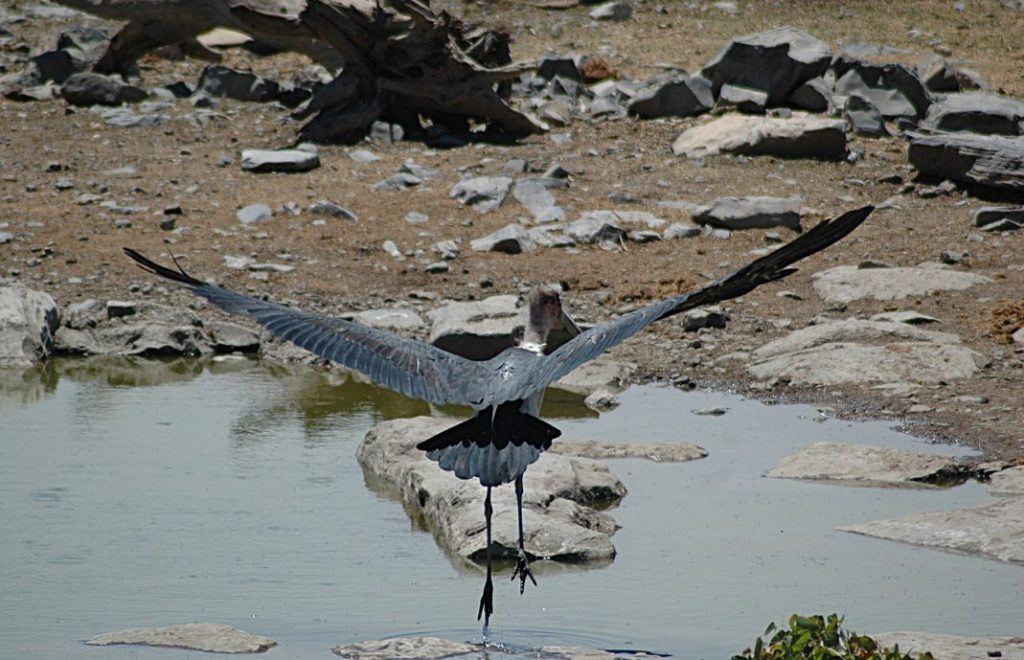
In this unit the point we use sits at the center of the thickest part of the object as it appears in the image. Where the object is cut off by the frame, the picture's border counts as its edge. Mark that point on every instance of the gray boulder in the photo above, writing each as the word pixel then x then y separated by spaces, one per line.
pixel 483 193
pixel 815 95
pixel 864 118
pixel 28 321
pixel 681 230
pixel 510 239
pixel 217 80
pixel 145 329
pixel 967 158
pixel 894 89
pixel 325 207
pixel 477 330
pixel 230 337
pixel 751 213
pixel 593 229
pixel 208 637
pixel 672 94
pixel 799 136
pixel 992 531
pixel 742 99
pixel 998 216
pixel 941 75
pixel 279 160
pixel 254 213
pixel 536 198
pixel 557 519
pixel 865 465
pixel 977 112
pixel 88 88
pixel 1008 482
pixel 777 62
pixel 844 284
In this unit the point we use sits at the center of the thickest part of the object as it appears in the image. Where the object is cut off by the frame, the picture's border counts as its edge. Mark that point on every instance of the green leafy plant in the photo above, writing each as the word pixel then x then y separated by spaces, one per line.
pixel 817 638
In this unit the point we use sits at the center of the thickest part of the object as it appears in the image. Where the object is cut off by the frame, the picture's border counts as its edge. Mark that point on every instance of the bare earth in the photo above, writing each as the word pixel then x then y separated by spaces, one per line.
pixel 341 266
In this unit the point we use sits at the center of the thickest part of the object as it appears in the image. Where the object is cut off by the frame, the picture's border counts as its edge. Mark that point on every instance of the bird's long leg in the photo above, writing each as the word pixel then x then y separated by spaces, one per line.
pixel 487 600
pixel 522 566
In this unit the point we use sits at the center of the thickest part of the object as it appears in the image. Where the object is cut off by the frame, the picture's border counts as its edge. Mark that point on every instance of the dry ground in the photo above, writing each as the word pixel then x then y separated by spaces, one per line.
pixel 341 266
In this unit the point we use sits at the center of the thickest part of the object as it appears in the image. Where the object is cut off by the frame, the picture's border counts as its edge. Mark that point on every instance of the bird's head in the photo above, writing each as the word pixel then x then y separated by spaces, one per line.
pixel 547 314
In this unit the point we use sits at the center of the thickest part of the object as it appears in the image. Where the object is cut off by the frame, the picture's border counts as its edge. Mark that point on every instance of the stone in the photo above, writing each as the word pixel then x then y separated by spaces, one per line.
pixel 865 465
pixel 477 330
pixel 398 181
pixel 448 249
pixel 390 319
pixel 894 89
pixel 230 337
pixel 1007 482
pixel 751 213
pixel 559 66
pixel 363 156
pixel 85 89
pixel 992 530
pixel 617 10
pixel 909 317
pixel 280 160
pixel 856 351
pixel 538 201
pixel 143 329
pixel 28 321
pixel 680 230
pixel 659 452
pixel 672 94
pixel 844 284
pixel 952 646
pixel 863 117
pixel 590 229
pixel 208 637
pixel 704 317
pixel 815 95
pixel 799 136
pixel 983 160
pixel 976 112
pixel 986 216
pixel 85 314
pixel 405 648
pixel 510 239
pixel 558 522
pixel 218 81
pixel 254 213
pixel 600 374
pixel 325 207
pixel 484 193
pixel 776 62
pixel 742 99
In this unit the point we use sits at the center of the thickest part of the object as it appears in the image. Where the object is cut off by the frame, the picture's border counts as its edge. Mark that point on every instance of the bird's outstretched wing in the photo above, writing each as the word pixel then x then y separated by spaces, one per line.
pixel 595 341
pixel 404 365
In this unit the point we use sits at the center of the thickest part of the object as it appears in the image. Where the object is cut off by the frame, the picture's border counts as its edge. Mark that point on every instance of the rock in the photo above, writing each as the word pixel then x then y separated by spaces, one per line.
pixel 990 216
pixel 776 62
pixel 799 136
pixel 254 213
pixel 538 201
pixel 28 321
pixel 325 207
pixel 390 319
pixel 894 89
pixel 230 337
pixel 992 531
pixel 967 158
pixel 558 523
pixel 391 248
pixel 448 249
pixel 909 317
pixel 704 317
pixel 952 646
pixel 363 156
pixel 398 181
pixel 844 284
pixel 144 329
pixel 617 10
pixel 592 229
pixel 97 89
pixel 865 465
pixel 864 118
pixel 219 81
pixel 659 452
pixel 855 351
pixel 977 112
pixel 815 95
pixel 560 66
pixel 672 94
pixel 751 213
pixel 85 314
pixel 680 230
pixel 437 267
pixel 405 648
pixel 477 330
pixel 1008 482
pixel 510 239
pixel 941 75
pixel 484 193
pixel 209 637
pixel 601 374
pixel 742 99
pixel 281 160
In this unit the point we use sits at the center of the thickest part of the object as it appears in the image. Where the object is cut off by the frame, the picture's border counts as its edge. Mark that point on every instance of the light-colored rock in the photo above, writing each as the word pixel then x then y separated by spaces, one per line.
pixel 844 284
pixel 992 530
pixel 405 648
pixel 282 160
pixel 953 646
pixel 659 452
pixel 138 329
pixel 751 213
pixel 856 351
pixel 909 317
pixel 1008 482
pixel 799 136
pixel 510 239
pixel 28 321
pixel 208 637
pixel 390 319
pixel 977 112
pixel 601 373
pixel 478 330
pixel 482 193
pixel 254 213
pixel 968 158
pixel 228 336
pixel 862 464
pixel 557 523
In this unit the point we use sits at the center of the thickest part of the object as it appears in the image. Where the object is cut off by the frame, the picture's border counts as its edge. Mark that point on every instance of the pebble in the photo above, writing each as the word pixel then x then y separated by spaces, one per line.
pixel 437 267
pixel 254 213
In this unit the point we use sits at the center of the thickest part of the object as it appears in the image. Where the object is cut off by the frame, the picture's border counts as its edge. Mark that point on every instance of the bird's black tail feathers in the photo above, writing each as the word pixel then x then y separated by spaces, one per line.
pixel 150 266
pixel 508 426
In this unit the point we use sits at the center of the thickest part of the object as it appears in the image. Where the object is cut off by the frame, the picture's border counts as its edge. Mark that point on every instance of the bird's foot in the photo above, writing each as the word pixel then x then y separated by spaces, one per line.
pixel 486 604
pixel 523 571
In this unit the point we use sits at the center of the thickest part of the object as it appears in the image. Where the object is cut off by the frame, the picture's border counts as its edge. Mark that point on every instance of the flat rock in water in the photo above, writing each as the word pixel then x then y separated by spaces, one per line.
pixel 977 112
pixel 558 523
pixel 862 464
pixel 953 646
pixel 992 530
pixel 776 62
pixel 28 321
pixel 672 94
pixel 282 160
pixel 751 213
pixel 228 336
pixel 208 637
pixel 967 158
pixel 433 648
pixel 844 284
pixel 659 452
pixel 1008 482
pixel 856 351
pixel 482 193
pixel 798 136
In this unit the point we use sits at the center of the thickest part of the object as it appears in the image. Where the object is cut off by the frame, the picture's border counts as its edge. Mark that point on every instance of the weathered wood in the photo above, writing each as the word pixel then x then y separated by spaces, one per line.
pixel 395 59
pixel 970 159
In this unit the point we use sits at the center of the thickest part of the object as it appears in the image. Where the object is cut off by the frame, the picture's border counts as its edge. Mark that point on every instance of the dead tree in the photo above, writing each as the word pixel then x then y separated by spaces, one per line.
pixel 394 60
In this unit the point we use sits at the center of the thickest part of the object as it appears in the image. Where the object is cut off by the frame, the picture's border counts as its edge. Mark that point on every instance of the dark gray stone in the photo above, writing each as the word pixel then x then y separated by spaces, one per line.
pixel 324 207
pixel 616 10
pixel 672 94
pixel 510 239
pixel 864 118
pixel 96 89
pixel 398 181
pixel 219 81
pixel 595 230
pixel 977 112
pixel 967 158
pixel 704 317
pixel 84 44
pixel 751 213
pixel 989 215
pixel 894 89
pixel 743 99
pixel 279 160
pixel 815 95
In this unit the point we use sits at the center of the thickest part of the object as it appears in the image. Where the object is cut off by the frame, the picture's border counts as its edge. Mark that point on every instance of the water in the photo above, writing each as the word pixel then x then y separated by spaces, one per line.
pixel 142 493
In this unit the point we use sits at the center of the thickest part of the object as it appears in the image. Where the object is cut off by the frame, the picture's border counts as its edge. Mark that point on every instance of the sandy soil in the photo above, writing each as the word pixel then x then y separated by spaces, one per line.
pixel 341 265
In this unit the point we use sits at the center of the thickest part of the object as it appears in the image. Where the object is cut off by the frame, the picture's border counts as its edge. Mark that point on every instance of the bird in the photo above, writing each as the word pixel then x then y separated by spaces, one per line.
pixel 505 433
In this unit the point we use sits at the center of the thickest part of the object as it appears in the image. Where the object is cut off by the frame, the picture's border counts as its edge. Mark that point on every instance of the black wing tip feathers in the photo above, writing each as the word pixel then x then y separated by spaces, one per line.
pixel 150 266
